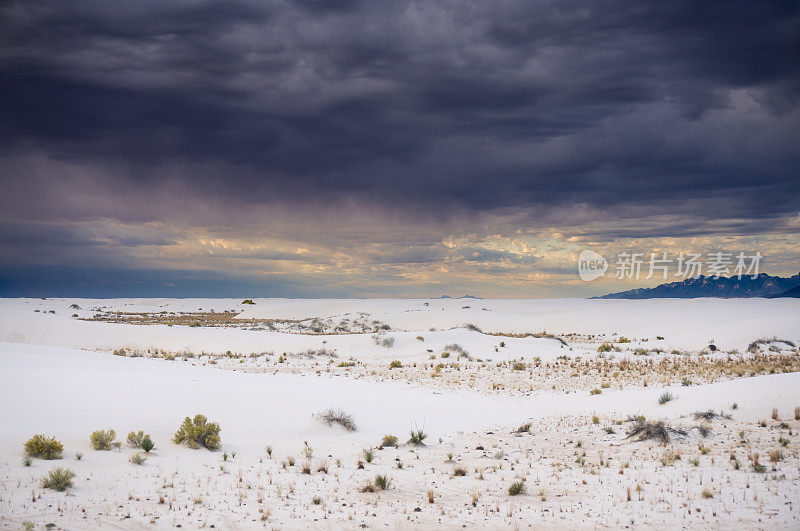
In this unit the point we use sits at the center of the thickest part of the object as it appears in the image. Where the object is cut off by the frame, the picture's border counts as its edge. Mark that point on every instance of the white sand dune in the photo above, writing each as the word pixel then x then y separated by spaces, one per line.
pixel 58 377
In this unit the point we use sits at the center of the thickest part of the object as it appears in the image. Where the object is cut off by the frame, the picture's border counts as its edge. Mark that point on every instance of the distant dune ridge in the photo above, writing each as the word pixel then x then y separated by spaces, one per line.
pixel 723 287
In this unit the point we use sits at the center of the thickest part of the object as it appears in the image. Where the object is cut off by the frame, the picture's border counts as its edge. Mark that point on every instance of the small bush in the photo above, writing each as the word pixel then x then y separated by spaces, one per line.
pixel 58 479
pixel 147 444
pixel 525 428
pixel 519 366
pixel 382 482
pixel 198 433
pixel 516 488
pixel 707 494
pixel 595 392
pixel 137 459
pixel 248 301
pixel 459 471
pixel 369 455
pixel 395 364
pixel 666 397
pixel 102 439
pixel 337 416
pixel 44 447
pixel 135 439
pixel 418 437
pixel 389 440
pixel 605 347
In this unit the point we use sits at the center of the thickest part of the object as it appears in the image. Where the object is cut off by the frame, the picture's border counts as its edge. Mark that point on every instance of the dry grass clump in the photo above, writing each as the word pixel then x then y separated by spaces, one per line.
pixel 709 415
pixel 337 416
pixel 645 430
pixel 137 459
pixel 380 482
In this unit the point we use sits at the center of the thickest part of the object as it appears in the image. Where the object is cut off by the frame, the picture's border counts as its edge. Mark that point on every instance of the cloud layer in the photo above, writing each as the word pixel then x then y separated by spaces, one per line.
pixel 394 148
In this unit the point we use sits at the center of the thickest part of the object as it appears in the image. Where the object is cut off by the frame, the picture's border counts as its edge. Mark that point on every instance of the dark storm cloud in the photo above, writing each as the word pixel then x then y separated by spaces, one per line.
pixel 444 104
pixel 654 118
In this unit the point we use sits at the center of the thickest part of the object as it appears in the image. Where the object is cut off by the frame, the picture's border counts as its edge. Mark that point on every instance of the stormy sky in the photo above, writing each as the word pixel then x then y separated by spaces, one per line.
pixel 412 148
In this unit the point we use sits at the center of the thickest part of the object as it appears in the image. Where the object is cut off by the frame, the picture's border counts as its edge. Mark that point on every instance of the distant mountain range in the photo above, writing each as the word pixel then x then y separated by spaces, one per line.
pixel 467 296
pixel 723 287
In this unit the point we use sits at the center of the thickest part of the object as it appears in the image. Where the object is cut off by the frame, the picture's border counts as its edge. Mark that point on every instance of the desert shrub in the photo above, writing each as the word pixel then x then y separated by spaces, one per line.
pixel 519 366
pixel 605 347
pixel 389 440
pixel 709 415
pixel 596 392
pixel 198 433
pixel 27 461
pixel 337 416
pixel 381 341
pixel 395 364
pixel 135 438
pixel 382 482
pixel 369 455
pixel 518 487
pixel 147 444
pixel 102 439
pixel 44 447
pixel 459 471
pixel 666 397
pixel 645 430
pixel 58 479
pixel 137 459
pixel 525 428
pixel 248 301
pixel 418 437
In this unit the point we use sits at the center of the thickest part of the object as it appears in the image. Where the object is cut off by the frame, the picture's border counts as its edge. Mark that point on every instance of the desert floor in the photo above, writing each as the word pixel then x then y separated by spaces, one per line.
pixel 541 393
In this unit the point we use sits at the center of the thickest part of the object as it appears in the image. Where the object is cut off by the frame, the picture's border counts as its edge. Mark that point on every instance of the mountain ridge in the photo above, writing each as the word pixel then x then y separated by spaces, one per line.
pixel 763 285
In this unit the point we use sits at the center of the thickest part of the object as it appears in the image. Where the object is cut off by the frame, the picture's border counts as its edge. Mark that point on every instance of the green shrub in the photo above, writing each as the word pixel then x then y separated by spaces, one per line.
pixel 248 301
pixel 382 482
pixel 605 347
pixel 395 364
pixel 58 479
pixel 519 366
pixel 198 433
pixel 518 487
pixel 44 447
pixel 135 439
pixel 103 439
pixel 417 437
pixel 666 397
pixel 369 455
pixel 147 444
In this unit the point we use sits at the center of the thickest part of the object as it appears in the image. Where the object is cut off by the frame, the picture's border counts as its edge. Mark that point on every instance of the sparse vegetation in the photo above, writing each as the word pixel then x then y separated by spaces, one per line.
pixel 137 459
pixel 337 416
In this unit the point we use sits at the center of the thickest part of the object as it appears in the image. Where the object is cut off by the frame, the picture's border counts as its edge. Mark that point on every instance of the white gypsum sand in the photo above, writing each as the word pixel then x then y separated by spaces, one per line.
pixel 587 368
